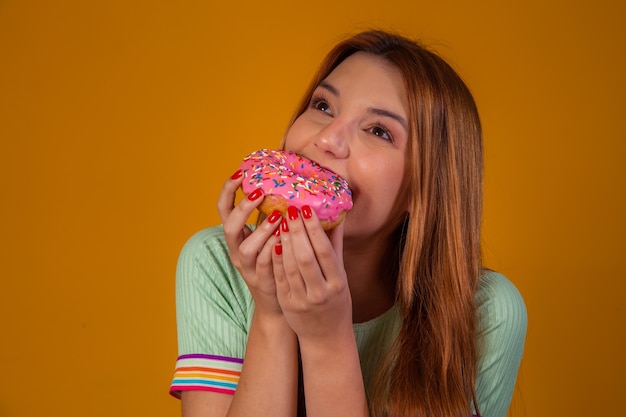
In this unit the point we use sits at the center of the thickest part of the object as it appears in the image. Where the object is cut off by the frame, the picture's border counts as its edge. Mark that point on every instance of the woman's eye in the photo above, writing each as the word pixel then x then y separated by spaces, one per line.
pixel 321 104
pixel 381 132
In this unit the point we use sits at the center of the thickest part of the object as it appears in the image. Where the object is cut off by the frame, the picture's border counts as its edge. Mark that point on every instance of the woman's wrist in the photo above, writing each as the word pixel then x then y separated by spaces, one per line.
pixel 333 378
pixel 270 323
pixel 336 344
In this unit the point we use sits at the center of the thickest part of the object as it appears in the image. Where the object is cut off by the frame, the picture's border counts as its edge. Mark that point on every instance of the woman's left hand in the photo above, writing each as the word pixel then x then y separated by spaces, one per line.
pixel 311 281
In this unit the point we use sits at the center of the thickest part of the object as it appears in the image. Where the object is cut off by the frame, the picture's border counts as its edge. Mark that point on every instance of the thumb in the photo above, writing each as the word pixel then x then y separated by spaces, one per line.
pixel 335 235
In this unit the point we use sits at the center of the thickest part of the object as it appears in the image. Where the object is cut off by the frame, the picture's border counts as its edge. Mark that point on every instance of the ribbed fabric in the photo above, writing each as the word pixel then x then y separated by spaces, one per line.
pixel 503 324
pixel 213 304
pixel 206 373
pixel 374 339
pixel 214 311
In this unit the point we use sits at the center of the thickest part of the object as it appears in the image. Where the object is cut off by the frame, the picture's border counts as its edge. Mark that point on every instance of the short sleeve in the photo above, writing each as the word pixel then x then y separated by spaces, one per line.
pixel 502 332
pixel 213 312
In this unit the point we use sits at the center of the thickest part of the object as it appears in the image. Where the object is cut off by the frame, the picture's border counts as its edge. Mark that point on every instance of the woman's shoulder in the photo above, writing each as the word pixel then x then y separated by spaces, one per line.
pixel 206 237
pixel 207 243
pixel 502 333
pixel 500 304
pixel 205 251
pixel 204 265
pixel 497 288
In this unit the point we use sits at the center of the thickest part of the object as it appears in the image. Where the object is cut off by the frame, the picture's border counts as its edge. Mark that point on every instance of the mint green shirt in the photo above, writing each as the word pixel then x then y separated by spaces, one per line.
pixel 214 311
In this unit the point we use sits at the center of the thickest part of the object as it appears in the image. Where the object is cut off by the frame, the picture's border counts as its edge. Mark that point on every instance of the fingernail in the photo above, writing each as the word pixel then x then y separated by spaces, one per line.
pixel 277 232
pixel 236 175
pixel 255 194
pixel 283 225
pixel 278 248
pixel 306 212
pixel 292 212
pixel 274 217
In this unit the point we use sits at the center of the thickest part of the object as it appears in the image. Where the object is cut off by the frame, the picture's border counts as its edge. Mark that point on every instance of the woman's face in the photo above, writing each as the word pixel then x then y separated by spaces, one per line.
pixel 357 126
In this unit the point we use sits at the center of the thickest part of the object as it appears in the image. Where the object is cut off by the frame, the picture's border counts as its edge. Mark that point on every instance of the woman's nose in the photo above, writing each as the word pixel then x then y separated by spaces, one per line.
pixel 333 140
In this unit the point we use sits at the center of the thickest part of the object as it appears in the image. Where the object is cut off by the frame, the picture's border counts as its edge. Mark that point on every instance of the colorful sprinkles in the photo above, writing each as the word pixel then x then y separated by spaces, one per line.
pixel 308 182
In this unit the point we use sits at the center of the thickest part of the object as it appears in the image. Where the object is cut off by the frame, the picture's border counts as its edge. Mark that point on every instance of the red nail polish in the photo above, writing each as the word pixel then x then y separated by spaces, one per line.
pixel 306 212
pixel 292 212
pixel 278 248
pixel 277 232
pixel 283 225
pixel 274 217
pixel 255 194
pixel 237 175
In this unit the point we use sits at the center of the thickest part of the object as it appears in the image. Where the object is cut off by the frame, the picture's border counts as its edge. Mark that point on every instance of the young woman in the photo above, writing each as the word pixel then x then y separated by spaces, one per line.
pixel 389 314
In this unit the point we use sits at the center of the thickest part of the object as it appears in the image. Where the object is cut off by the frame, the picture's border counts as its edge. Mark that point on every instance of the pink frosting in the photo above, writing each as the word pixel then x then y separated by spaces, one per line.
pixel 297 179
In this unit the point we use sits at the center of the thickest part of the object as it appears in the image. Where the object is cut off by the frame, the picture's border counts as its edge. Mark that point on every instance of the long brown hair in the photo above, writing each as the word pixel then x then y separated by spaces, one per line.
pixel 431 368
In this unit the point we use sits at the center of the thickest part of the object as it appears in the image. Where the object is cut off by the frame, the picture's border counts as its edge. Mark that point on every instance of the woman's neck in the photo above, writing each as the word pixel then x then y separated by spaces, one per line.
pixel 372 294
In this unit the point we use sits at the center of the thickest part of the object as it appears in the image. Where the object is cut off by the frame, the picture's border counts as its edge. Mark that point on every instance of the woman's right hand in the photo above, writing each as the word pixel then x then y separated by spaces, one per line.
pixel 251 251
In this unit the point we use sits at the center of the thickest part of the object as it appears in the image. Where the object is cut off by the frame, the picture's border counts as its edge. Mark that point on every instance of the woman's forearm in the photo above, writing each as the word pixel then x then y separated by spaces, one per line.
pixel 332 378
pixel 269 378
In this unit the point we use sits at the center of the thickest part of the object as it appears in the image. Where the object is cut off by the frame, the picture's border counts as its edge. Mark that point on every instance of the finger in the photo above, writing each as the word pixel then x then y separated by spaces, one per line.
pixel 250 247
pixel 282 285
pixel 247 251
pixel 327 245
pixel 335 236
pixel 264 272
pixel 303 258
pixel 290 264
pixel 226 200
pixel 235 218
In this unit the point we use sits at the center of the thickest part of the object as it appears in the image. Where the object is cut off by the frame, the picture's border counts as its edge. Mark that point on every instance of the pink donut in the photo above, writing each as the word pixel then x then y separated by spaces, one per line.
pixel 288 179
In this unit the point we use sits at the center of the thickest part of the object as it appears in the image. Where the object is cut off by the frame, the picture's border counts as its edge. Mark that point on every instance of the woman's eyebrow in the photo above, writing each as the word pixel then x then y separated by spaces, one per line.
pixel 387 113
pixel 326 86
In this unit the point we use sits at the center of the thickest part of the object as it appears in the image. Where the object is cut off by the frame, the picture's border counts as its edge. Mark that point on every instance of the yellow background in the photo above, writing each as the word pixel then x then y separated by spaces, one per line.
pixel 119 121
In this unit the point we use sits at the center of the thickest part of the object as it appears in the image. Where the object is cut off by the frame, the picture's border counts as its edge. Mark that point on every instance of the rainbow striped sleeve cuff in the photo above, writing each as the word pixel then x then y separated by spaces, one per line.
pixel 206 373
